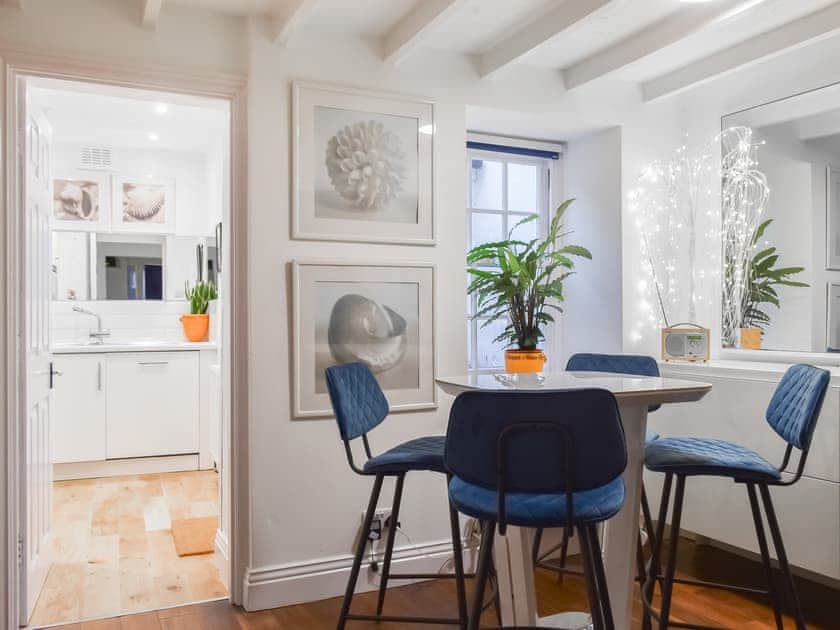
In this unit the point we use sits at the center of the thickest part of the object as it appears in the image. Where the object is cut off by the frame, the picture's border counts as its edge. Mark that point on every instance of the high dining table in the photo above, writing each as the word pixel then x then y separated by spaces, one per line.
pixel 514 563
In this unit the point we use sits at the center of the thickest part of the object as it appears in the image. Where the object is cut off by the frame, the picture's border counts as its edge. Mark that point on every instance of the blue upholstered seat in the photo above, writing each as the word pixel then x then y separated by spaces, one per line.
pixel 650 436
pixel 706 456
pixel 538 510
pixel 425 453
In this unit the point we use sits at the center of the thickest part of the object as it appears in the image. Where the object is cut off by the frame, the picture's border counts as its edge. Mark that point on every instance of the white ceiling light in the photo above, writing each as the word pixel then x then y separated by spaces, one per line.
pixel 154 137
pixel 161 108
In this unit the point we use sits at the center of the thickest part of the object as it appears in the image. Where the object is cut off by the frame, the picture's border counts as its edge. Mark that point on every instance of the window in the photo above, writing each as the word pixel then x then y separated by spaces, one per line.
pixel 502 189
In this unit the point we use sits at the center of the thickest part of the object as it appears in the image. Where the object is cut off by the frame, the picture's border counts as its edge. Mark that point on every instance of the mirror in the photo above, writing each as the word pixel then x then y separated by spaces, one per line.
pixel 781 224
pixel 128 270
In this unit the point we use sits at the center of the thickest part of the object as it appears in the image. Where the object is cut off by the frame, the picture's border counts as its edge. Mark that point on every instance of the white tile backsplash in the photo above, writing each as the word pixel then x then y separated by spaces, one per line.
pixel 128 320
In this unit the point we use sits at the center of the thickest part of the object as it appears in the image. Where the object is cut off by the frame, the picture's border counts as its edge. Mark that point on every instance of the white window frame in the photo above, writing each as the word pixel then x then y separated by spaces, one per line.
pixel 546 174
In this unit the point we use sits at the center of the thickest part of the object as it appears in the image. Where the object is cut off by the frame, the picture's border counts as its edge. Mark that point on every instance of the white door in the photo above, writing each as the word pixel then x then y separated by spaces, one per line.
pixel 36 473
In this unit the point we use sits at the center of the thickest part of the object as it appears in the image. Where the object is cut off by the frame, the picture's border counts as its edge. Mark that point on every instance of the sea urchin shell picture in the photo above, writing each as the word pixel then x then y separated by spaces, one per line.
pixel 365 163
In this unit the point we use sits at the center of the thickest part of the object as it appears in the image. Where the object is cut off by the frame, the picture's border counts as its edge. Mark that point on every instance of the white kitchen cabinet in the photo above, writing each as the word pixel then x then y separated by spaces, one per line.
pixel 153 404
pixel 78 410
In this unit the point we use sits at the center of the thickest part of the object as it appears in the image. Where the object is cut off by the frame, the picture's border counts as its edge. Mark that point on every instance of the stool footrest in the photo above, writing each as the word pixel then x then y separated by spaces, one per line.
pixel 426 576
pixel 444 621
pixel 552 567
pixel 718 585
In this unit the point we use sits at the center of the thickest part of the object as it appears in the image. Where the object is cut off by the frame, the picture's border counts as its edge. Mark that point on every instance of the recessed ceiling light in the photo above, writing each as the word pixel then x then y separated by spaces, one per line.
pixel 154 137
pixel 161 108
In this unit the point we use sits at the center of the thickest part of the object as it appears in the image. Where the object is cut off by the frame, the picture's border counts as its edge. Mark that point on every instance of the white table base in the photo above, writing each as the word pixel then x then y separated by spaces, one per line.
pixel 514 563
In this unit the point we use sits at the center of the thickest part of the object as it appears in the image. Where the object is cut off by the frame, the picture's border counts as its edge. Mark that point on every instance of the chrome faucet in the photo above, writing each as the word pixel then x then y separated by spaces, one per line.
pixel 100 333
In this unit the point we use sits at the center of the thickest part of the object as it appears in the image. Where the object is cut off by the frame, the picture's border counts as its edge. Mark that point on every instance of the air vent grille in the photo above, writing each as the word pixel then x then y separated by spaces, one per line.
pixel 96 157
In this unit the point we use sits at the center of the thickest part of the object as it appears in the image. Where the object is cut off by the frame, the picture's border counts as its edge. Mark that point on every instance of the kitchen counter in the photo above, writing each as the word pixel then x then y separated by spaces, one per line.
pixel 132 346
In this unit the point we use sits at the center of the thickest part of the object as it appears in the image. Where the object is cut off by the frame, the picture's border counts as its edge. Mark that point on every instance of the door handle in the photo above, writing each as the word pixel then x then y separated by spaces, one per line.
pixel 99 376
pixel 153 363
pixel 53 373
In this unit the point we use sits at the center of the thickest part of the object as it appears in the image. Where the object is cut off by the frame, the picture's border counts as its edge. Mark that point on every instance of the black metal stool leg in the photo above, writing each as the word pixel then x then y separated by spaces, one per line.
pixel 389 544
pixel 656 550
pixel 673 543
pixel 781 555
pixel 535 552
pixel 603 591
pixel 591 579
pixel 485 558
pixel 765 556
pixel 360 552
pixel 458 563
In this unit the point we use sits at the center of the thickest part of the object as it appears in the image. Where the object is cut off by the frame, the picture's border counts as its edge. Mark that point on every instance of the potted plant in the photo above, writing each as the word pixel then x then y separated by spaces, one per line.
pixel 762 278
pixel 520 282
pixel 197 322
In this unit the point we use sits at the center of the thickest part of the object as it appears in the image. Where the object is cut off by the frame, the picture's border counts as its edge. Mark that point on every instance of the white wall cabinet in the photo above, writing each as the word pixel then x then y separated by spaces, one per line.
pixel 152 404
pixel 79 408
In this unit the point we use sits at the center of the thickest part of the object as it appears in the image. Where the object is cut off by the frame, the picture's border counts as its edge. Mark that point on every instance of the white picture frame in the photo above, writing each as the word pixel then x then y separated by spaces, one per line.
pixel 832 217
pixel 81 201
pixel 134 200
pixel 396 204
pixel 331 298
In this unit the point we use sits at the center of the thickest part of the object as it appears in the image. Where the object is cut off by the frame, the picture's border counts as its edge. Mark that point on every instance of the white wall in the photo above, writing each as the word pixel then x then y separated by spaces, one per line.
pixel 592 321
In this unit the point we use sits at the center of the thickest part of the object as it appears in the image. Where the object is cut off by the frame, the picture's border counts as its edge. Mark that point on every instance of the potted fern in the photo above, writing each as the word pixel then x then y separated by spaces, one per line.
pixel 762 279
pixel 196 324
pixel 521 283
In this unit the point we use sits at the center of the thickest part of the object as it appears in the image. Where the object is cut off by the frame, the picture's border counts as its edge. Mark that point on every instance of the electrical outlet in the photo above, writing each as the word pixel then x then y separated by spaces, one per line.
pixel 381 515
pixel 377 526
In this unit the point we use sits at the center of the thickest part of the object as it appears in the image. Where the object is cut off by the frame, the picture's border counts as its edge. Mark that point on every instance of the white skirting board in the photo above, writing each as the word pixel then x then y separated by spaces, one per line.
pixel 131 466
pixel 284 585
pixel 220 544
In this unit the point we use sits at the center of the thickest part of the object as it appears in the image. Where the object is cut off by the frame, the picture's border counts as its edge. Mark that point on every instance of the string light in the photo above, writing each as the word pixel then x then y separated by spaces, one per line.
pixel 674 203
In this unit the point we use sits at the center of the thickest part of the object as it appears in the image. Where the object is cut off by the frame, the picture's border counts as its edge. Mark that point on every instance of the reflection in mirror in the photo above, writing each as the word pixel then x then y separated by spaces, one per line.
pixel 790 262
pixel 129 270
pixel 71 272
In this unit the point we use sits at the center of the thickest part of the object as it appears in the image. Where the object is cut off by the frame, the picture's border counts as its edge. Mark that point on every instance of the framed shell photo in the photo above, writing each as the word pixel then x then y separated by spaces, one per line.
pixel 378 314
pixel 362 166
pixel 143 204
pixel 81 201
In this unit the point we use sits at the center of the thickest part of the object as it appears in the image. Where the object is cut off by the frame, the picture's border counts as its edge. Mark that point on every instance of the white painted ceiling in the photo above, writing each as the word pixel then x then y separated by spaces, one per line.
pixel 120 117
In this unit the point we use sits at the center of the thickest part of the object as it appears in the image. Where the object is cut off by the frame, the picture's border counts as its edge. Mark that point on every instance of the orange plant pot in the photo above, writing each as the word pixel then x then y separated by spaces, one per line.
pixel 751 338
pixel 196 326
pixel 524 361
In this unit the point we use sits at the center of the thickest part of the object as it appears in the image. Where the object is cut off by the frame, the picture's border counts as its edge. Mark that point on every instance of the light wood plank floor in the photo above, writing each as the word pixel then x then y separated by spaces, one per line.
pixel 113 551
pixel 704 606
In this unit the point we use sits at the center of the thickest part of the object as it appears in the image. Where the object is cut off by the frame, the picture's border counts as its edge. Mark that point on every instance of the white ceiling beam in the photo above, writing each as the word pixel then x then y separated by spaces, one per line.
pixel 536 34
pixel 818 126
pixel 288 20
pixel 817 25
pixel 649 40
pixel 407 34
pixel 150 13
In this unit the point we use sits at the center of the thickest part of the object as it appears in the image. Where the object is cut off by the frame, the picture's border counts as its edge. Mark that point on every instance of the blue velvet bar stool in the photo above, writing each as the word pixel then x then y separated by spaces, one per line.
pixel 538 459
pixel 792 413
pixel 630 364
pixel 360 406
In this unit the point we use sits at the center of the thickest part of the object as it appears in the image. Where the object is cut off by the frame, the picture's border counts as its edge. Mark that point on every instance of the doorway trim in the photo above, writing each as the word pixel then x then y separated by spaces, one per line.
pixel 15 64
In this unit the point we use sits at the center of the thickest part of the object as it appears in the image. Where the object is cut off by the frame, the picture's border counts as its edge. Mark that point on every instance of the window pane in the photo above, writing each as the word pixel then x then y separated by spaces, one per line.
pixel 486 228
pixel 470 362
pixel 486 182
pixel 489 354
pixel 525 232
pixel 522 187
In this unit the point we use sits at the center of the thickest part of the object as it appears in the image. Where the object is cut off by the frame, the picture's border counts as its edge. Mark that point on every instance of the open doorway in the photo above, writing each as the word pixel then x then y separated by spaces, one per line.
pixel 126 197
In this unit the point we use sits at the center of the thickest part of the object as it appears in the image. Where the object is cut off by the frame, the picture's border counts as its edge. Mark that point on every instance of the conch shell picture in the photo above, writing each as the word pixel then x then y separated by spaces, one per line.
pixel 75 200
pixel 361 329
pixel 366 165
pixel 143 203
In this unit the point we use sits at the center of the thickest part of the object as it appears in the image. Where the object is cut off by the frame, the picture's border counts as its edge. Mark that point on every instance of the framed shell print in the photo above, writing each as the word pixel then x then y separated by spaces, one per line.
pixel 143 204
pixel 81 201
pixel 362 166
pixel 379 314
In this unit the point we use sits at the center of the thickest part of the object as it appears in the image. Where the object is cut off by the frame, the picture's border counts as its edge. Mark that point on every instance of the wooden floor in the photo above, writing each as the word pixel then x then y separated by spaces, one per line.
pixel 113 551
pixel 690 604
